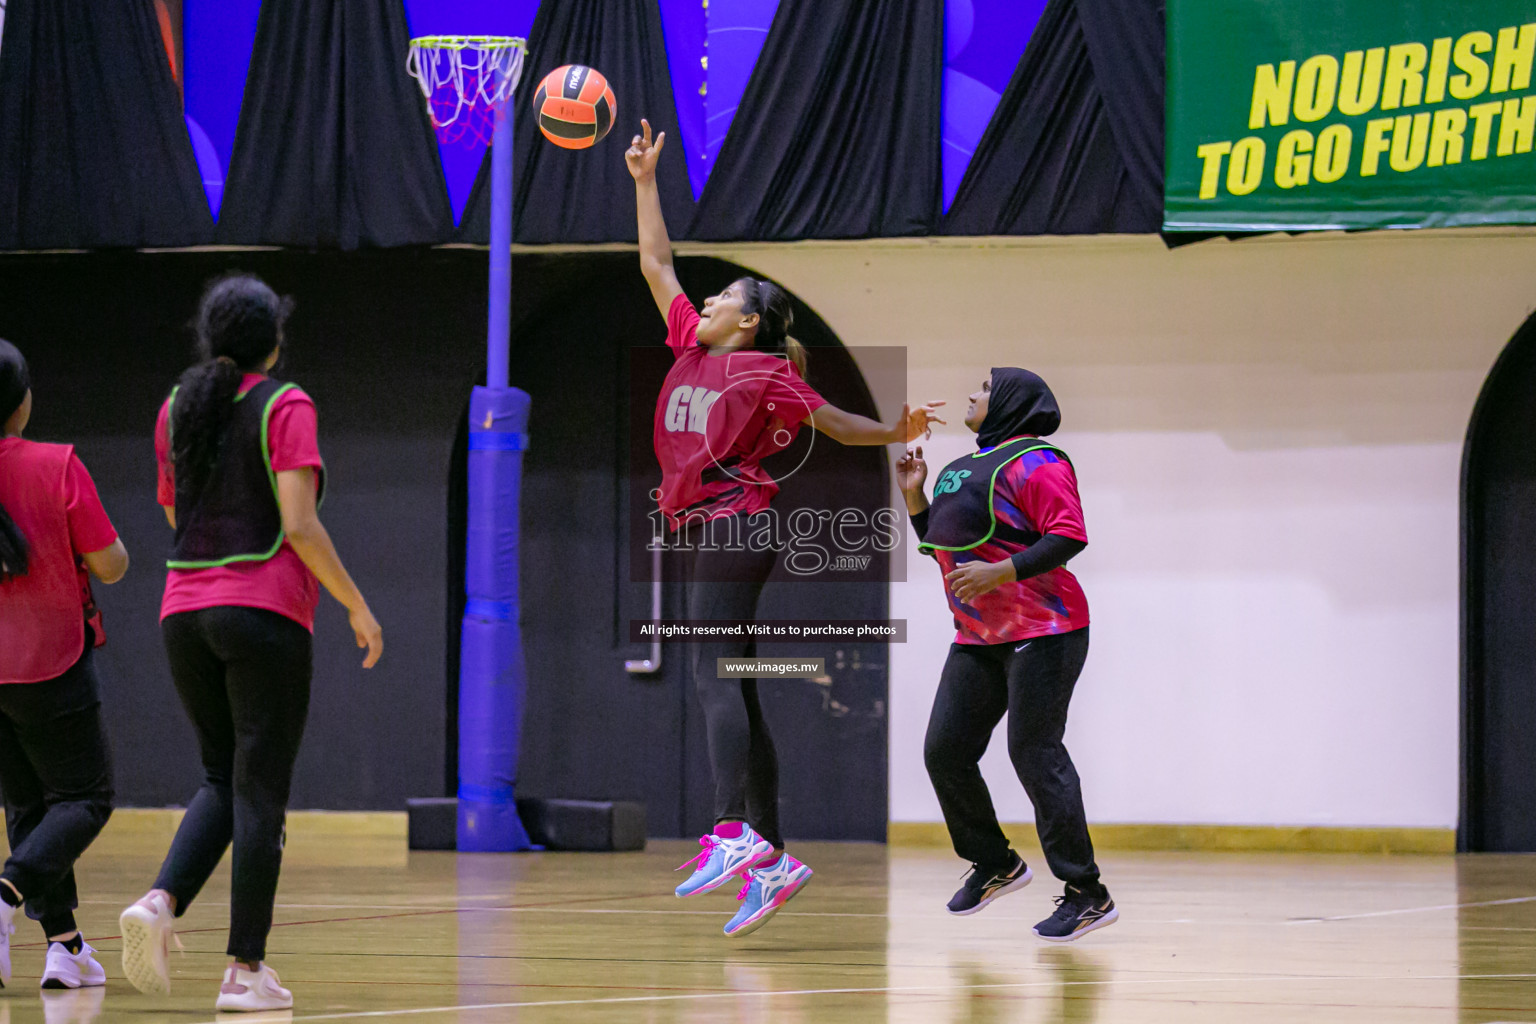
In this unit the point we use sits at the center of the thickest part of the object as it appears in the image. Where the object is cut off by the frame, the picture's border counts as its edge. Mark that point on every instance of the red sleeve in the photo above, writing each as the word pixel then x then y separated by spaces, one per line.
pixel 89 528
pixel 1048 496
pixel 293 440
pixel 788 392
pixel 165 481
pixel 682 325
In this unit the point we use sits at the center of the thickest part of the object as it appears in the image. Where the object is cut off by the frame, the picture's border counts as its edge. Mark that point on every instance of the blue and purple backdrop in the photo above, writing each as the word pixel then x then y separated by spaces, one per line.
pixel 711 53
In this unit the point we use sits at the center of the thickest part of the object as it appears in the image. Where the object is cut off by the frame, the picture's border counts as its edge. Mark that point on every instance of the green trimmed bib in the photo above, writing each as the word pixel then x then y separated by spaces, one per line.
pixel 961 515
pixel 235 518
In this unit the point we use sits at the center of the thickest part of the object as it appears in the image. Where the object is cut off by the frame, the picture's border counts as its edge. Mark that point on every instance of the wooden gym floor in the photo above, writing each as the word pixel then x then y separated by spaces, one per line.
pixel 368 932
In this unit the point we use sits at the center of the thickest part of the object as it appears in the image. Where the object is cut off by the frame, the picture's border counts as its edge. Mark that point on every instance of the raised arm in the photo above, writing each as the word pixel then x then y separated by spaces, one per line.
pixel 851 428
pixel 655 246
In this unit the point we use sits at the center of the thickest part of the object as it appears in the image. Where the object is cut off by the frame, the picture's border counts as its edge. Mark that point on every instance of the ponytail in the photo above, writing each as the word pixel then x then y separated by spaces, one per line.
pixel 15 382
pixel 239 325
pixel 204 404
pixel 776 318
pixel 13 548
pixel 795 352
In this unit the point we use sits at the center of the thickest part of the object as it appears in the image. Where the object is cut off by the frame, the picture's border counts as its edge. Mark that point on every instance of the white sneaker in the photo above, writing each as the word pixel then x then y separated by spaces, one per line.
pixel 148 932
pixel 7 929
pixel 64 969
pixel 253 990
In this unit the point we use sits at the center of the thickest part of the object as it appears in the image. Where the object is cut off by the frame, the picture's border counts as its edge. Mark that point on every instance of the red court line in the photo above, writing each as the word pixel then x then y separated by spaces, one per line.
pixel 515 984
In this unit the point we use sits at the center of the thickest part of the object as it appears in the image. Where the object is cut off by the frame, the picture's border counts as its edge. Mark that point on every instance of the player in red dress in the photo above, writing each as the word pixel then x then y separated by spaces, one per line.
pixel 55 766
pixel 734 396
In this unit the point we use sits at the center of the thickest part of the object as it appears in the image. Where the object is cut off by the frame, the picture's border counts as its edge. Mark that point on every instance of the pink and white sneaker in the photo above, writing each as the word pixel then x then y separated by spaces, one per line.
pixel 148 929
pixel 7 929
pixel 768 889
pixel 245 990
pixel 732 849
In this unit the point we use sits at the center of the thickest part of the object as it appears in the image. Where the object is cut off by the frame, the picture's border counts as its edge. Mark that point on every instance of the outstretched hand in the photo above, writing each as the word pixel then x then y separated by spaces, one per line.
pixel 917 423
pixel 642 154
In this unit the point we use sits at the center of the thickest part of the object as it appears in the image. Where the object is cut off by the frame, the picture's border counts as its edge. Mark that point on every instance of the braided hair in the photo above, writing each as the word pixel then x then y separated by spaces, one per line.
pixel 238 325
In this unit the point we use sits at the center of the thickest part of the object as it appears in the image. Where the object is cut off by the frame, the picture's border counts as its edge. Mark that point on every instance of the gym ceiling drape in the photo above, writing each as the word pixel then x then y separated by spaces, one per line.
pixel 93 149
pixel 838 134
pixel 334 147
pixel 1076 143
pixel 565 195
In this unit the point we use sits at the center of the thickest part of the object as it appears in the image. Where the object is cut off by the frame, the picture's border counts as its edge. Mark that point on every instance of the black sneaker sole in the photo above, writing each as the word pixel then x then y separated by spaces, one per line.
pixel 1013 886
pixel 1103 922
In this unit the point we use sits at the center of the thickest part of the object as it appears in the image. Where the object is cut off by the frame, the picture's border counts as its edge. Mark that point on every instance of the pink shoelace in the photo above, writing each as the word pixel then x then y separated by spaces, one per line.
pixel 709 842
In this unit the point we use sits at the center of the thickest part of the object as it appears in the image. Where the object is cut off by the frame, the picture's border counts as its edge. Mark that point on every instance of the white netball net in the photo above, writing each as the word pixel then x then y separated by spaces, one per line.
pixel 464 79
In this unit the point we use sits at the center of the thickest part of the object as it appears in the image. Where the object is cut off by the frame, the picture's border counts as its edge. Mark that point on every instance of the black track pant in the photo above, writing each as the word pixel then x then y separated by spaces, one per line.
pixel 243 675
pixel 1031 681
pixel 56 771
pixel 724 584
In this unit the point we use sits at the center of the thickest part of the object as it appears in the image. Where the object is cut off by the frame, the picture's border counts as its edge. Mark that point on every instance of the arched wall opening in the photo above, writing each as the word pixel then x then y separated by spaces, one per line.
pixel 588 346
pixel 1498 608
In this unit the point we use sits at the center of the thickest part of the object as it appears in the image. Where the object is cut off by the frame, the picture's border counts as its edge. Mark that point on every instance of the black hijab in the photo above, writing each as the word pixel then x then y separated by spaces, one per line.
pixel 1020 403
pixel 14 379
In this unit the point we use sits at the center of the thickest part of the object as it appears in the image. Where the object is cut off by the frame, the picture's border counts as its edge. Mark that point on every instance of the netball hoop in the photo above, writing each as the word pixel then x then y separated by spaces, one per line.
pixel 468 82
pixel 465 78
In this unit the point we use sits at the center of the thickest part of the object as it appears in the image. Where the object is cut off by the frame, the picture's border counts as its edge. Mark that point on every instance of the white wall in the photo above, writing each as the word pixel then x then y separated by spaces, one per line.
pixel 1268 437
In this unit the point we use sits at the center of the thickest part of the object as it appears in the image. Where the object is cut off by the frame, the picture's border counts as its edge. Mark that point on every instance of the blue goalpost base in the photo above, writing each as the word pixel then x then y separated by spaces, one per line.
pixel 493 675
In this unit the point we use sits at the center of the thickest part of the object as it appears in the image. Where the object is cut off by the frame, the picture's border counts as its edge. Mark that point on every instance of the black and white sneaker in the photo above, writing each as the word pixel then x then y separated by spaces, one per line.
pixel 982 887
pixel 1077 914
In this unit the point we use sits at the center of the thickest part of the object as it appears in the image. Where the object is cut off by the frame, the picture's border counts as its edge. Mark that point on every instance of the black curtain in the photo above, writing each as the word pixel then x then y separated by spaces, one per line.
pixel 93 147
pixel 1076 143
pixel 106 336
pixel 838 134
pixel 334 147
pixel 587 195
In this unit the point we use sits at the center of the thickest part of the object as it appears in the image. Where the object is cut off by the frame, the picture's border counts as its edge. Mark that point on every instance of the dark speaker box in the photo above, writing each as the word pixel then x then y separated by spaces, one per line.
pixel 432 823
pixel 593 825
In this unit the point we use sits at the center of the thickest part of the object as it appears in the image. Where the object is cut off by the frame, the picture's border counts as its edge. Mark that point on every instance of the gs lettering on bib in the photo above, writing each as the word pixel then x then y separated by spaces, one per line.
pixel 950 481
pixel 962 516
pixel 688 409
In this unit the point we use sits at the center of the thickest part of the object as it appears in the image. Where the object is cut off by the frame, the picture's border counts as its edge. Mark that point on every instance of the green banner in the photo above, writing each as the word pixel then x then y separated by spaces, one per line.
pixel 1302 114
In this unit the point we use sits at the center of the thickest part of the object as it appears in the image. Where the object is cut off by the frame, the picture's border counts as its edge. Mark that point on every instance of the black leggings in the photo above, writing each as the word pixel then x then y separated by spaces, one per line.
pixel 56 771
pixel 243 675
pixel 724 584
pixel 1031 681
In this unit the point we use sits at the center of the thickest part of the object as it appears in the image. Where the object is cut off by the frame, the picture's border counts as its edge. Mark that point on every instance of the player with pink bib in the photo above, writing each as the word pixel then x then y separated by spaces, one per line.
pixel 736 394
pixel 55 767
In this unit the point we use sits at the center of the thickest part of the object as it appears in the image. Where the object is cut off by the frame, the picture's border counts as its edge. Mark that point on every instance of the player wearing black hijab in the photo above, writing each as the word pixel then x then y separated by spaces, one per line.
pixel 1003 522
